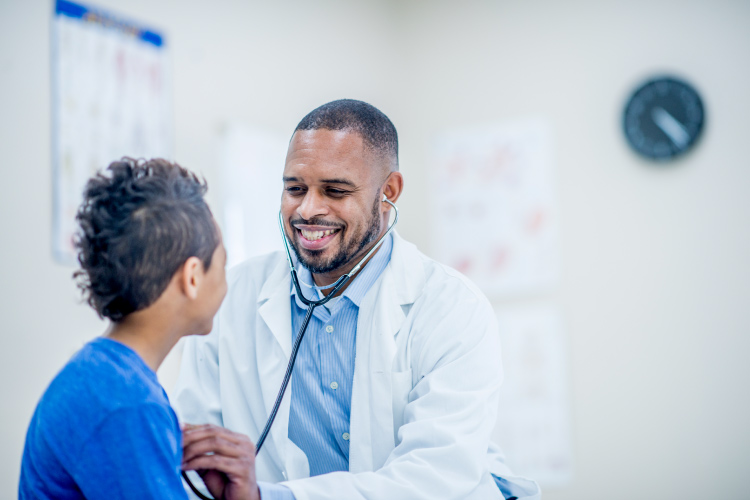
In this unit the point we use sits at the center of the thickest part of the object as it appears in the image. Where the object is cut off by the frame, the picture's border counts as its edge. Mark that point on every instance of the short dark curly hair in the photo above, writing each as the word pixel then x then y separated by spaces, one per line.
pixel 139 222
pixel 376 129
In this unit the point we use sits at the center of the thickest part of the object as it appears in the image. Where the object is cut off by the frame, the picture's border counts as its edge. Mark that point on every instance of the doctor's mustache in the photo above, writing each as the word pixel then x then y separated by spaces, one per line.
pixel 315 221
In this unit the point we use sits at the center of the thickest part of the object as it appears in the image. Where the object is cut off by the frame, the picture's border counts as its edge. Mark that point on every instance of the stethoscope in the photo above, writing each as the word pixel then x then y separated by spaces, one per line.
pixel 311 305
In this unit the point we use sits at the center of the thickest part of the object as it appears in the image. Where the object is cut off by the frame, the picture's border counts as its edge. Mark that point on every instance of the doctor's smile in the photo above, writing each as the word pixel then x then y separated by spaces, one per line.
pixel 315 237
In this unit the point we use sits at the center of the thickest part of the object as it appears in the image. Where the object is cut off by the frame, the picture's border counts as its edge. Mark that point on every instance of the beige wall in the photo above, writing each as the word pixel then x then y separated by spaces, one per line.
pixel 655 284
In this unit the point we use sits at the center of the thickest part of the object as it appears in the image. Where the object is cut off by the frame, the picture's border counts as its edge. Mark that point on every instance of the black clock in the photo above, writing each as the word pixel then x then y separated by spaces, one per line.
pixel 663 118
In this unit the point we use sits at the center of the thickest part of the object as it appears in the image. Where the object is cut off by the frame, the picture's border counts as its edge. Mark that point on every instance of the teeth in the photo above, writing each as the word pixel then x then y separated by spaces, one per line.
pixel 316 235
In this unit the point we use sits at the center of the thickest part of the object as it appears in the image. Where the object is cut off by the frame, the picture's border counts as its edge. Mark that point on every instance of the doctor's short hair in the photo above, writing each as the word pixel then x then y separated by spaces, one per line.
pixel 373 125
pixel 138 224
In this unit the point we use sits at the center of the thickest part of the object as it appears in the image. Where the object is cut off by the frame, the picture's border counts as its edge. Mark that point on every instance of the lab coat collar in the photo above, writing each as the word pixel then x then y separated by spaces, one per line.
pixel 408 273
pixel 361 282
pixel 384 308
pixel 273 299
pixel 273 305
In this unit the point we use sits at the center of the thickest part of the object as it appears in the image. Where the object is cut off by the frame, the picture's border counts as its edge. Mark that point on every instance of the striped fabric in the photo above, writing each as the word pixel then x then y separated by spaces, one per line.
pixel 324 371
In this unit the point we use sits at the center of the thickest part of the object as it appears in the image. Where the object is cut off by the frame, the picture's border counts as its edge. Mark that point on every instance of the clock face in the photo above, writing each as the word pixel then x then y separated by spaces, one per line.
pixel 663 118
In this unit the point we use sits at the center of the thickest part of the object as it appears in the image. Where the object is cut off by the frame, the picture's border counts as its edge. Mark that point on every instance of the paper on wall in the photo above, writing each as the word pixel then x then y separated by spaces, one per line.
pixel 493 208
pixel 111 97
pixel 533 426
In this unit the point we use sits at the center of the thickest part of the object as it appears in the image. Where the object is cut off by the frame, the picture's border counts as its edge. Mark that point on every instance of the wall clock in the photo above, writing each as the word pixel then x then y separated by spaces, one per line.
pixel 663 118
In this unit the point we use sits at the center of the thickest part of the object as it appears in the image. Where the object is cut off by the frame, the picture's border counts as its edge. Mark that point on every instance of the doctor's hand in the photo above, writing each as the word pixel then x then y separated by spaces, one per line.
pixel 225 460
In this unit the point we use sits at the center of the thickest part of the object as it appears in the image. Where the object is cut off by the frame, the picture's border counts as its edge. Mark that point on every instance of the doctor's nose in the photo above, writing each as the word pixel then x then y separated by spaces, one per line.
pixel 311 206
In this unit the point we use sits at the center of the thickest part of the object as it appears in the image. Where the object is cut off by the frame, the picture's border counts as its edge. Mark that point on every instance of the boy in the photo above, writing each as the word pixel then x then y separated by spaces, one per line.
pixel 152 262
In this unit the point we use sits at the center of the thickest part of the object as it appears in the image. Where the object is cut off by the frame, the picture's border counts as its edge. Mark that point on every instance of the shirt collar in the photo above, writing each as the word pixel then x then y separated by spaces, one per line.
pixel 361 282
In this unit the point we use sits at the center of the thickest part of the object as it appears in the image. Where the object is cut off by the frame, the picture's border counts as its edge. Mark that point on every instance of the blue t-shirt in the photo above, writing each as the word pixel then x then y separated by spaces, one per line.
pixel 103 429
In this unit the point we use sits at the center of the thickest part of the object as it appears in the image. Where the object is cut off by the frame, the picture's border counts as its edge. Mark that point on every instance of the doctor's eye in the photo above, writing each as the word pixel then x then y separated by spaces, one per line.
pixel 295 190
pixel 336 193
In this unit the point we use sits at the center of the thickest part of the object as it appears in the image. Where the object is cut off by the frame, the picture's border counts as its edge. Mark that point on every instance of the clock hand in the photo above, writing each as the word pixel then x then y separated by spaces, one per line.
pixel 671 127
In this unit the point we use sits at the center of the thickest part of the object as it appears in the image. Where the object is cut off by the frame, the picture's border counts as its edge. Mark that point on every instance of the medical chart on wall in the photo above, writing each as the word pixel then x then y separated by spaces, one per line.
pixel 111 97
pixel 493 207
pixel 252 165
pixel 534 429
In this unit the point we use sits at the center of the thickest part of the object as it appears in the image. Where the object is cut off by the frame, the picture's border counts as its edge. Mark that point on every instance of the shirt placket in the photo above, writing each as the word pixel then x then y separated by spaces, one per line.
pixel 332 382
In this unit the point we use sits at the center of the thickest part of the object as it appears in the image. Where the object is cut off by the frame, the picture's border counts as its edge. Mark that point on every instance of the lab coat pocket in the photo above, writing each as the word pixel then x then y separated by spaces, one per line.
pixel 401 386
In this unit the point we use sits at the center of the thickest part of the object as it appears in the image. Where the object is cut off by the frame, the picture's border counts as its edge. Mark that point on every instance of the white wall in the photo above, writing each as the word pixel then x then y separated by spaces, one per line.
pixel 655 286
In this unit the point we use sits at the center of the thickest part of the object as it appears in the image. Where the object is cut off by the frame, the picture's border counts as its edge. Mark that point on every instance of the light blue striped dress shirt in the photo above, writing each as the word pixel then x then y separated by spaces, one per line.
pixel 324 373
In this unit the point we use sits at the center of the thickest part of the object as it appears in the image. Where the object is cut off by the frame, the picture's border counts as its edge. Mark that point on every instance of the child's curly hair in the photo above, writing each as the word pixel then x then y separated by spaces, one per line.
pixel 139 222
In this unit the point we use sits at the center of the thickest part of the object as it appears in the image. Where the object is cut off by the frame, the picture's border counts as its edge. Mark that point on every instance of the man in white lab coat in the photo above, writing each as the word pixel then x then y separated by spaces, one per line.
pixel 395 391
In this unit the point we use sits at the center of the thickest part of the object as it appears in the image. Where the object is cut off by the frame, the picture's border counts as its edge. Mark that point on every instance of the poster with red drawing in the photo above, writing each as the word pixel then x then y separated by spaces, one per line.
pixel 493 213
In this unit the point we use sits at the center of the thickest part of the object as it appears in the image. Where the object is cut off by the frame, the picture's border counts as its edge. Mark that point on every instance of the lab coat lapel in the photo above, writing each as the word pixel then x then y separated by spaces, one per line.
pixel 274 306
pixel 380 318
pixel 273 348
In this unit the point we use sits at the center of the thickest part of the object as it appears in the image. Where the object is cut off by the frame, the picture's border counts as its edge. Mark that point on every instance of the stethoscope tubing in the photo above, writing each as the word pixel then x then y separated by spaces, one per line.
pixel 311 305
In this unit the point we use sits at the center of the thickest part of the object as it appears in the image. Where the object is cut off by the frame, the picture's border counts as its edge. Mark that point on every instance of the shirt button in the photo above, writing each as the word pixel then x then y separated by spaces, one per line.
pixel 329 329
pixel 334 385
pixel 345 436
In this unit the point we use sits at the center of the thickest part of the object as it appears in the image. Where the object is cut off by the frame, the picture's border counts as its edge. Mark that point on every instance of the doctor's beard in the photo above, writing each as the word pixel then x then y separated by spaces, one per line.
pixel 346 252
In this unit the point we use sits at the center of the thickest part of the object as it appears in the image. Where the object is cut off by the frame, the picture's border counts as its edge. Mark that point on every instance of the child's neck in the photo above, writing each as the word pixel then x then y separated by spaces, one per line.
pixel 150 339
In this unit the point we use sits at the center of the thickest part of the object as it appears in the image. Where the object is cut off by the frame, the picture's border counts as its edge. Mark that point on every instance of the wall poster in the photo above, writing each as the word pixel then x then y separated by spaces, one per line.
pixel 534 427
pixel 493 211
pixel 111 97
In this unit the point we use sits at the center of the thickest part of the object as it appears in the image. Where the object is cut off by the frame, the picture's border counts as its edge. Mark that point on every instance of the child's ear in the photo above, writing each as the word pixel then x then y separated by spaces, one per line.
pixel 192 276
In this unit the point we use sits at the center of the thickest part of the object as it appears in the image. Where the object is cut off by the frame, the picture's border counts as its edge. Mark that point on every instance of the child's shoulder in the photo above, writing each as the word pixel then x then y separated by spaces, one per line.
pixel 103 377
pixel 105 399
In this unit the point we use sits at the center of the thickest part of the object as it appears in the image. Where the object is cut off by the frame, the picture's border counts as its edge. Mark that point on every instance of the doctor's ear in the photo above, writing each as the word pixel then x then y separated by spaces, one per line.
pixel 191 277
pixel 393 186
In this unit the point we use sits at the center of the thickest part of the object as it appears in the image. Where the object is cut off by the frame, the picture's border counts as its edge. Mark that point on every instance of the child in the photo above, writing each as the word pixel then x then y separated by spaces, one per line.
pixel 152 261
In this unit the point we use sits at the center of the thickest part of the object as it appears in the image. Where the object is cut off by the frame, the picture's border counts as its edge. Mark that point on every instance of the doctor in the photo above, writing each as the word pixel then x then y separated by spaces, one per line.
pixel 395 391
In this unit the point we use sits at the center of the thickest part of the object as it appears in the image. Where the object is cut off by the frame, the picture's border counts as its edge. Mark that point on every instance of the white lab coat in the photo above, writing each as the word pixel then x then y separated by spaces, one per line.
pixel 425 395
